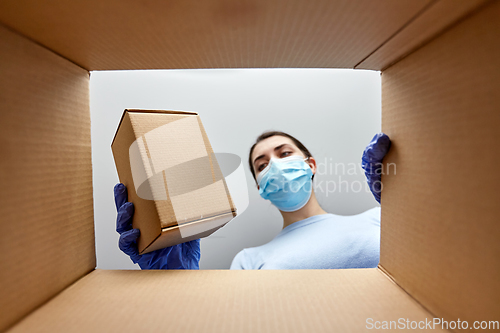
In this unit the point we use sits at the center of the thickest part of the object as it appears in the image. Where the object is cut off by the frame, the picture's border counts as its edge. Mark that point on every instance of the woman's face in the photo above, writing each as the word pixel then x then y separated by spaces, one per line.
pixel 276 146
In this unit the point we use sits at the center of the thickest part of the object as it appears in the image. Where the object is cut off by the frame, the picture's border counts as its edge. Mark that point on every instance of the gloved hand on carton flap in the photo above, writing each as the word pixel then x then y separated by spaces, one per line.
pixel 372 162
pixel 180 256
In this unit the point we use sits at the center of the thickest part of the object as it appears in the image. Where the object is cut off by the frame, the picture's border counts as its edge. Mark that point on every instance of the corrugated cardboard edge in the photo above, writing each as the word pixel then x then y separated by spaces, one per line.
pixel 42 306
pixel 430 22
pixel 149 111
pixel 444 98
pixel 225 301
pixel 171 236
pixel 214 161
pixel 330 34
pixel 122 163
pixel 47 239
pixel 391 278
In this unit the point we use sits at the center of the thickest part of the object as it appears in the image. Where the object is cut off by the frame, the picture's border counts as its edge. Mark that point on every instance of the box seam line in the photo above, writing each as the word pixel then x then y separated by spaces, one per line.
pixel 398 31
pixel 119 124
pixel 49 300
pixel 158 111
pixel 443 31
pixel 154 240
pixel 162 229
pixel 155 205
pixel 230 212
pixel 45 47
pixel 391 278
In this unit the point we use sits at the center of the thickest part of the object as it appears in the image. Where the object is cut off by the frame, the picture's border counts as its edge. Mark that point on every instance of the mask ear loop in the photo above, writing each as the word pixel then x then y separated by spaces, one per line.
pixel 305 159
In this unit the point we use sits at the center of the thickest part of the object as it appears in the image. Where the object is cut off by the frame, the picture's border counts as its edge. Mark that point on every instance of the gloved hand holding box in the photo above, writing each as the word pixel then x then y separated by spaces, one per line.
pixel 173 179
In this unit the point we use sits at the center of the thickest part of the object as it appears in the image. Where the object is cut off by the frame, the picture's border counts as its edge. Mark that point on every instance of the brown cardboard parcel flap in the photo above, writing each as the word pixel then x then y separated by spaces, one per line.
pixel 179 301
pixel 172 176
pixel 46 212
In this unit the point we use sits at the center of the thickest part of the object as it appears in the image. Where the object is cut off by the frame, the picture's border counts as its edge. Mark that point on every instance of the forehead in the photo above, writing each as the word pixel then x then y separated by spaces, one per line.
pixel 267 146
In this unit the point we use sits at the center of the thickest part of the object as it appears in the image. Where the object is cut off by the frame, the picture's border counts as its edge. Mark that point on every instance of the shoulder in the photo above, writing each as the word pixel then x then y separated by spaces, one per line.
pixel 239 260
pixel 243 260
pixel 373 214
pixel 250 258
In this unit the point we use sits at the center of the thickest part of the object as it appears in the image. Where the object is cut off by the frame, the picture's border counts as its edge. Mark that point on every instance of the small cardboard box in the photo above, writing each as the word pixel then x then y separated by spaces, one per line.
pixel 172 176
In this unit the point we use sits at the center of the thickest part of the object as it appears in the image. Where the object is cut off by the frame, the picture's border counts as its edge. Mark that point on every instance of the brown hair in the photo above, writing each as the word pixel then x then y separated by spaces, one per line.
pixel 269 134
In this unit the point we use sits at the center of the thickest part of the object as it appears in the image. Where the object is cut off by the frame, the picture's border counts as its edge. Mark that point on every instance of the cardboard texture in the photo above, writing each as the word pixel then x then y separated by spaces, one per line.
pixel 440 212
pixel 210 34
pixel 173 178
pixel 440 231
pixel 433 19
pixel 47 229
pixel 226 301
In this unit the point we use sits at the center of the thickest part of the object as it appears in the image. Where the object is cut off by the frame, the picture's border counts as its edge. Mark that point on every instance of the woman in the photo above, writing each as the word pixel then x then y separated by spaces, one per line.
pixel 284 170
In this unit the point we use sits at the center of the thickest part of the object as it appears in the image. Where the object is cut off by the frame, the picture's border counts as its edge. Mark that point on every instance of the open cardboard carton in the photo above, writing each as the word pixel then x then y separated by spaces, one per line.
pixel 440 249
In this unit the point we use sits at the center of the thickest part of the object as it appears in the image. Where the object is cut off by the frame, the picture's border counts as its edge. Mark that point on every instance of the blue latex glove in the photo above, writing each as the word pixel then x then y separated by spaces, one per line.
pixel 180 256
pixel 372 162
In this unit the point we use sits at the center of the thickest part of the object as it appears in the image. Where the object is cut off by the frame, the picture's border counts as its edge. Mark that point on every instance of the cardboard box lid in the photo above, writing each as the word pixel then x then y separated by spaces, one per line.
pixel 441 208
pixel 46 207
pixel 112 34
pixel 226 301
pixel 436 17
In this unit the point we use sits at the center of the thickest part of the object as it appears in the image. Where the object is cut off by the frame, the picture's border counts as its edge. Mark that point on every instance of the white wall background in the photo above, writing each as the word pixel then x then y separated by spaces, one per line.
pixel 333 112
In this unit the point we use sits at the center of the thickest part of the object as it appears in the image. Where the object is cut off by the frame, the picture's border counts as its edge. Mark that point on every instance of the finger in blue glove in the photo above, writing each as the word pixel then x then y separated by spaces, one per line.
pixel 180 256
pixel 371 162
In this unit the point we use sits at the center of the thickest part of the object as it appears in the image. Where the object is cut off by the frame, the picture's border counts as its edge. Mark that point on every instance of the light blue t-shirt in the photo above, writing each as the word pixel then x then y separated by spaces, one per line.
pixel 320 241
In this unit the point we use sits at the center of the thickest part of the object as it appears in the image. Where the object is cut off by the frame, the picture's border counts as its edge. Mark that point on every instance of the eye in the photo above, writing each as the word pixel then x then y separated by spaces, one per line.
pixel 262 166
pixel 285 153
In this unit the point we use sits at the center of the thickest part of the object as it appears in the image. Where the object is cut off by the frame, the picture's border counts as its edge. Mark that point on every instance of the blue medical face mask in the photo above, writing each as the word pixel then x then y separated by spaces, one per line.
pixel 286 183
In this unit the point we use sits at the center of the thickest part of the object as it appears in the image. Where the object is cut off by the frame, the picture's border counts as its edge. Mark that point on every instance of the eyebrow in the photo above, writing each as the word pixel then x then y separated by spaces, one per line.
pixel 275 149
